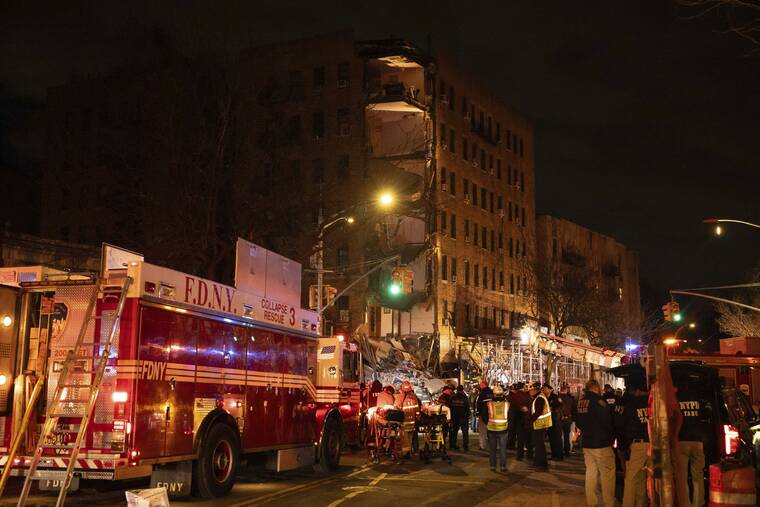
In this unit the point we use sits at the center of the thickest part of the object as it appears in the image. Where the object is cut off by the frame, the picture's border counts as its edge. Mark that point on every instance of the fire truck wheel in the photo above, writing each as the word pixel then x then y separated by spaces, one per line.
pixel 331 446
pixel 214 472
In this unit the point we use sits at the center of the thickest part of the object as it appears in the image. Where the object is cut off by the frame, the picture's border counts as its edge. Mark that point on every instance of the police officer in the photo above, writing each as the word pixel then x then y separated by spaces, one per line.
pixel 541 419
pixel 690 453
pixel 631 427
pixel 609 395
pixel 460 416
pixel 595 421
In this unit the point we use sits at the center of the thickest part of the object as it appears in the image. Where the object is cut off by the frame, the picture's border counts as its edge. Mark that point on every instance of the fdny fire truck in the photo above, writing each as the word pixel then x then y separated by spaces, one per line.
pixel 146 371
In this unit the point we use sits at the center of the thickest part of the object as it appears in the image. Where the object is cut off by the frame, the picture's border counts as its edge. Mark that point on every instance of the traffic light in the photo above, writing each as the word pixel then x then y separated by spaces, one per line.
pixel 672 311
pixel 328 294
pixel 408 281
pixel 313 302
pixel 396 286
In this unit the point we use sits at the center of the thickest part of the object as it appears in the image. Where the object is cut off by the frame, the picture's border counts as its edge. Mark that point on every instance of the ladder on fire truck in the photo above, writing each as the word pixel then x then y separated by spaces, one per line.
pixel 81 350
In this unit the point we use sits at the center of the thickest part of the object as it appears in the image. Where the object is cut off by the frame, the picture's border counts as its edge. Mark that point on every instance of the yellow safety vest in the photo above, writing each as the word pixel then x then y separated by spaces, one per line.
pixel 545 419
pixel 499 420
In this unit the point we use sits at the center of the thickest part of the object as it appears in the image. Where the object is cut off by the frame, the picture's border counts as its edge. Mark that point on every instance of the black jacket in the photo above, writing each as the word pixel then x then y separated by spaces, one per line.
pixel 481 406
pixel 696 417
pixel 595 421
pixel 459 405
pixel 631 419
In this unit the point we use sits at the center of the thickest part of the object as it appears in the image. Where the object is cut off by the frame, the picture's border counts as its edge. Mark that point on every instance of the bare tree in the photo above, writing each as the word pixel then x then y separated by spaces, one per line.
pixel 741 17
pixel 737 321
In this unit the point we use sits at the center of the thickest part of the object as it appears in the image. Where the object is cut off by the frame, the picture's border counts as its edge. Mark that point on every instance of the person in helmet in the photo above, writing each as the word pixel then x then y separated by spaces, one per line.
pixel 407 401
pixel 386 397
pixel 498 408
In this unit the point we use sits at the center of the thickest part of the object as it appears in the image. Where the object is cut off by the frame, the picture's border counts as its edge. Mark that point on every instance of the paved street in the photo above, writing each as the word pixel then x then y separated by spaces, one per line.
pixel 466 482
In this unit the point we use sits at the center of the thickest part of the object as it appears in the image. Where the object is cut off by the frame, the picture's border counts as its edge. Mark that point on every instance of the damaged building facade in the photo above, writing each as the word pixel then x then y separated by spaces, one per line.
pixel 364 117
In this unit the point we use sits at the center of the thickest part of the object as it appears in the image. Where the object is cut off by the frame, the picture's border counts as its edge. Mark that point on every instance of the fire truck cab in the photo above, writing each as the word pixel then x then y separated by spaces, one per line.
pixel 196 375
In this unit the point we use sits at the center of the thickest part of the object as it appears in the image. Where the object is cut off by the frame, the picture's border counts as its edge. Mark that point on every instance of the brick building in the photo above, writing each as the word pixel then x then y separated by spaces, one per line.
pixel 614 266
pixel 322 125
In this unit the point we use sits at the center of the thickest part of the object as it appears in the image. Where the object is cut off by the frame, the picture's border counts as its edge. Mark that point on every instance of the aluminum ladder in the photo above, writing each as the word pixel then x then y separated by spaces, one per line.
pixel 55 410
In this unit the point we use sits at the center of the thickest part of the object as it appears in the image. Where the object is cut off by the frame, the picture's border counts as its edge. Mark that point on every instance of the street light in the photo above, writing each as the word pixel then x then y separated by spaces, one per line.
pixel 719 229
pixel 670 341
pixel 386 199
pixel 321 260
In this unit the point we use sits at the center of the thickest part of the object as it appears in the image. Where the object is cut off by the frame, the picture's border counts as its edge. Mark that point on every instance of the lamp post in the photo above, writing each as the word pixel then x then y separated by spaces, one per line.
pixel 719 229
pixel 385 199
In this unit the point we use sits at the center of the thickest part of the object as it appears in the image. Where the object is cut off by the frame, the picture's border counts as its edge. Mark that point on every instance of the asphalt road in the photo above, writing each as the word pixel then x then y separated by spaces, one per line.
pixel 466 482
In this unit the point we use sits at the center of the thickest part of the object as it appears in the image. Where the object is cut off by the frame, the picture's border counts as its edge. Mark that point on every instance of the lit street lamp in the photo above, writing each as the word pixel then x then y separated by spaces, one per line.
pixel 718 221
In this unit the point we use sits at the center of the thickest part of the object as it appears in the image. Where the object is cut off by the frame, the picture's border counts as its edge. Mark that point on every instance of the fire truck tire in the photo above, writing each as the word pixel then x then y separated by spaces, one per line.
pixel 215 470
pixel 331 446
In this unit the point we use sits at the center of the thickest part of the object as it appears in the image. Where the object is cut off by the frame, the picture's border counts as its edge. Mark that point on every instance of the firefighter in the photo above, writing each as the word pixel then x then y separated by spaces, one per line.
pixel 595 421
pixel 484 396
pixel 633 437
pixel 386 397
pixel 460 415
pixel 374 391
pixel 407 401
pixel 690 453
pixel 541 419
pixel 555 431
pixel 498 417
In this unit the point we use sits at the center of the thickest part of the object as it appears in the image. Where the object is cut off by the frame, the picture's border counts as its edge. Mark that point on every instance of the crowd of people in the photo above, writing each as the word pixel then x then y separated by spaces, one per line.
pixel 610 426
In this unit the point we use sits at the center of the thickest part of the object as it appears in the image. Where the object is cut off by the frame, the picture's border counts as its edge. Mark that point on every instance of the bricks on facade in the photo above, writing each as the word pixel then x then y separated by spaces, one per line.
pixel 615 267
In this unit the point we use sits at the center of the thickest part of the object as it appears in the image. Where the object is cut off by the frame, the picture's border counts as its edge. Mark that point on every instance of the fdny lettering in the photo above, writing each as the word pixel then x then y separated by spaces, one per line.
pixel 171 487
pixel 689 408
pixel 218 297
pixel 152 370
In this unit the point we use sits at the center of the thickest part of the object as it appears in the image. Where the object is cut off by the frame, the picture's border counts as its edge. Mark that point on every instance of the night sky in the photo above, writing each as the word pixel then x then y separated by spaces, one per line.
pixel 646 120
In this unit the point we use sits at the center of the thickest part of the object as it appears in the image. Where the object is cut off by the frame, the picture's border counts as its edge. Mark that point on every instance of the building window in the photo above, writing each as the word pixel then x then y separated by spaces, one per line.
pixel 344 122
pixel 476 274
pixel 493 240
pixel 491 201
pixel 464 106
pixel 474 153
pixel 522 182
pixel 318 79
pixel 489 127
pixel 466 229
pixel 451 98
pixel 523 248
pixel 498 131
pixel 467 271
pixel 343 163
pixel 465 154
pixel 493 280
pixel 517 213
pixel 498 168
pixel 453 226
pixel 443 222
pixel 511 244
pixel 485 277
pixel 317 171
pixel 511 283
pixel 525 284
pixel 293 132
pixel 444 267
pixel 490 161
pixel 442 87
pixel 509 175
pixel 517 248
pixel 443 179
pixel 483 201
pixel 509 211
pixel 453 269
pixel 475 234
pixel 467 319
pixel 452 183
pixel 452 141
pixel 501 281
pixel 344 75
pixel 523 217
pixel 554 247
pixel 521 148
pixel 318 125
pixel 477 316
pixel 483 237
pixel 442 135
pixel 342 258
pixel 466 187
pixel 501 240
pixel 474 194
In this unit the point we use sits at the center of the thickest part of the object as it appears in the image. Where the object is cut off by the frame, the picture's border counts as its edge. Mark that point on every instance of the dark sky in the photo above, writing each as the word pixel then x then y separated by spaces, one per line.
pixel 646 120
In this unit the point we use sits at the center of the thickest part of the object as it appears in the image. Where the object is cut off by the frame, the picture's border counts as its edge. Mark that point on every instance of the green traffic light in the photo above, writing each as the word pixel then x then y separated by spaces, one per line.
pixel 677 317
pixel 394 289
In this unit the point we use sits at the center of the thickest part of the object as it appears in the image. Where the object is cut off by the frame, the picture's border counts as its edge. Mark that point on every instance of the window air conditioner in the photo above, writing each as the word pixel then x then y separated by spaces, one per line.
pixel 453 278
pixel 467 198
pixel 467 239
pixel 501 213
pixel 444 187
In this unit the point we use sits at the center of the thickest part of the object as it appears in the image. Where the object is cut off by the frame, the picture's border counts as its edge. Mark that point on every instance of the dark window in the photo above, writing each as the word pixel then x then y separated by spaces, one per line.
pixel 318 79
pixel 483 159
pixel 451 98
pixel 493 283
pixel 474 194
pixel 442 87
pixel 498 131
pixel 483 201
pixel 517 284
pixel 344 122
pixel 491 201
pixel 493 240
pixel 554 247
pixel 490 161
pixel 317 171
pixel 442 134
pixel 443 179
pixel 475 234
pixel 523 217
pixel 509 211
pixel 523 249
pixel 444 267
pixel 342 258
pixel 476 275
pixel 522 182
pixel 443 222
pixel 464 105
pixel 452 141
pixel 517 248
pixel 509 175
pixel 467 319
pixel 466 229
pixel 501 281
pixel 294 132
pixel 465 154
pixel 483 237
pixel 318 125
pixel 509 140
pixel 501 240
pixel 344 75
pixel 466 186
pixel 485 277
pixel 511 283
pixel 474 152
pixel 453 226
pixel 525 283
pixel 452 183
pixel 453 269
pixel 467 272
pixel 489 127
pixel 343 163
pixel 498 168
pixel 511 249
pixel 517 213
pixel 521 148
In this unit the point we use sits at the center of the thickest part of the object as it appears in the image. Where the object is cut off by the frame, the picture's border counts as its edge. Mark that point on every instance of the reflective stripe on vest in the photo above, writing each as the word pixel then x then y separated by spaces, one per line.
pixel 499 420
pixel 545 419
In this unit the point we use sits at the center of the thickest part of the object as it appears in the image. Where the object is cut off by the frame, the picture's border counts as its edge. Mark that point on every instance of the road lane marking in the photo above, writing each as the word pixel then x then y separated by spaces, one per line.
pixel 357 493
pixel 430 479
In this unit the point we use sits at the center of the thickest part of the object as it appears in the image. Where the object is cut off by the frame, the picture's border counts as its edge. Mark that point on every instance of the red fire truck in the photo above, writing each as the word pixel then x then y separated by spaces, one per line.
pixel 146 371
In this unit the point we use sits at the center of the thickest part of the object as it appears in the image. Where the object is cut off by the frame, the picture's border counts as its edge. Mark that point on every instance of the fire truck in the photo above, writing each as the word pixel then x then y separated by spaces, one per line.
pixel 144 371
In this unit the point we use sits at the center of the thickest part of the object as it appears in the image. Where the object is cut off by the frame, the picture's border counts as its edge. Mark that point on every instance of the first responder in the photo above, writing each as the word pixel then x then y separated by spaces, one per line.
pixel 633 438
pixel 386 397
pixel 567 416
pixel 498 408
pixel 541 419
pixel 481 407
pixel 374 391
pixel 595 421
pixel 460 415
pixel 555 431
pixel 690 453
pixel 407 401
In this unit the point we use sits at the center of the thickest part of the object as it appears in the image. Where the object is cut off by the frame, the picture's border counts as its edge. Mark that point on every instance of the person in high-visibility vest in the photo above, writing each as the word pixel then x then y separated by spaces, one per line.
pixel 541 417
pixel 498 408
